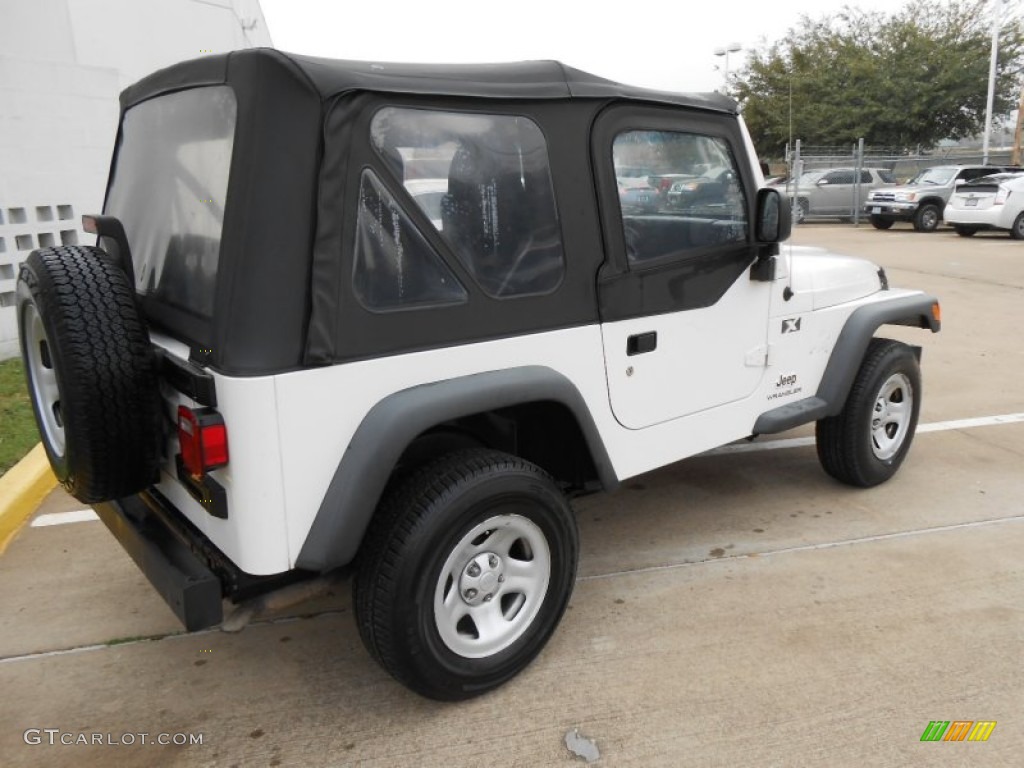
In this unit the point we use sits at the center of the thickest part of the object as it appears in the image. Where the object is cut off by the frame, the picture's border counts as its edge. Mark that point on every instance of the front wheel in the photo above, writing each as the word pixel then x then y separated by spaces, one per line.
pixel 879 223
pixel 865 444
pixel 801 210
pixel 927 218
pixel 465 573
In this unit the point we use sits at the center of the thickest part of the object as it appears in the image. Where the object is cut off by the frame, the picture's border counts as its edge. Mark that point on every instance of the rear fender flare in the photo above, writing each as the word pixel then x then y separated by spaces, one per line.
pixel 394 422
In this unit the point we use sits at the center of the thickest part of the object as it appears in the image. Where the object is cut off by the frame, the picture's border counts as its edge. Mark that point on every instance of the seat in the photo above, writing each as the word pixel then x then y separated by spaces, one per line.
pixel 498 217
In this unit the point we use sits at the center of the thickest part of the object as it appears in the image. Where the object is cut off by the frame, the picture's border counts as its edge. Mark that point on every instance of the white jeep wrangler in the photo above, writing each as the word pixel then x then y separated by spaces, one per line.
pixel 395 316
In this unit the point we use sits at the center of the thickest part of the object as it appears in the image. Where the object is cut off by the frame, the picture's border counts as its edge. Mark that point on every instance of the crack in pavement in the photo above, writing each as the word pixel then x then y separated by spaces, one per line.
pixel 803 548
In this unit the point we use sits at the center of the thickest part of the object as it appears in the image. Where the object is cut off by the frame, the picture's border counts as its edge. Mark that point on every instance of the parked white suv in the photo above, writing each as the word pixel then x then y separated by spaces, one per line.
pixel 279 360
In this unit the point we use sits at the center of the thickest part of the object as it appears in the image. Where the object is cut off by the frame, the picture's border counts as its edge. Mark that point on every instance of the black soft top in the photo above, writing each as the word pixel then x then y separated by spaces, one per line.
pixel 329 77
pixel 279 300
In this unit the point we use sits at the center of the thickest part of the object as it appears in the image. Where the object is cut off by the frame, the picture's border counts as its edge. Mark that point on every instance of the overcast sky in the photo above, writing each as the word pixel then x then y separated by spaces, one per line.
pixel 653 43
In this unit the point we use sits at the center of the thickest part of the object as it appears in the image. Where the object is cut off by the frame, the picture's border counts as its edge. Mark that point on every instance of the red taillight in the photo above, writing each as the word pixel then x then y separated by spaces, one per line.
pixel 203 439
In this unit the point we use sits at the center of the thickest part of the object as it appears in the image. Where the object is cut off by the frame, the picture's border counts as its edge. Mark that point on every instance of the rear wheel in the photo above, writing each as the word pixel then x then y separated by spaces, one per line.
pixel 90 372
pixel 965 231
pixel 865 444
pixel 927 218
pixel 465 573
pixel 879 223
pixel 1017 230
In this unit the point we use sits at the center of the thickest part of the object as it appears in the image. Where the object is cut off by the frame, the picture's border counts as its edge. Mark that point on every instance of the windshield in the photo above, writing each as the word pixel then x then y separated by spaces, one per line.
pixel 934 176
pixel 810 177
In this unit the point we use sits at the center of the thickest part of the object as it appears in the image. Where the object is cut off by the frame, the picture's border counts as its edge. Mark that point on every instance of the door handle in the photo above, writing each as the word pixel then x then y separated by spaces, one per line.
pixel 641 342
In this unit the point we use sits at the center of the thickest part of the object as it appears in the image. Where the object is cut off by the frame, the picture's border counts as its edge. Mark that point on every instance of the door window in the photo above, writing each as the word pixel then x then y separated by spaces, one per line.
pixel 679 193
pixel 840 177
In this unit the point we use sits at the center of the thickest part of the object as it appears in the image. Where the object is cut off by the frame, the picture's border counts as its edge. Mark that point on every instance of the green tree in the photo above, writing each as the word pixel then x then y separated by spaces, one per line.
pixel 914 77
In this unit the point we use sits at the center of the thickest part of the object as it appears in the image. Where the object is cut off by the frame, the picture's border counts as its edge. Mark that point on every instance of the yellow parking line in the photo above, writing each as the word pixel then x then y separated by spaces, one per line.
pixel 21 490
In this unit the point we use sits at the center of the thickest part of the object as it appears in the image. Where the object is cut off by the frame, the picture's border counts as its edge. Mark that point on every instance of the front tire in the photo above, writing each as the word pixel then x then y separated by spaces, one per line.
pixel 865 444
pixel 879 223
pixel 927 218
pixel 465 573
pixel 801 210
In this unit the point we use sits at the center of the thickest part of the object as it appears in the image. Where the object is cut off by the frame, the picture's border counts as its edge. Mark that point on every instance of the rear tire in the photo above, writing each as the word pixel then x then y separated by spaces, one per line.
pixel 1017 230
pixel 879 223
pixel 927 218
pixel 465 573
pixel 865 444
pixel 90 371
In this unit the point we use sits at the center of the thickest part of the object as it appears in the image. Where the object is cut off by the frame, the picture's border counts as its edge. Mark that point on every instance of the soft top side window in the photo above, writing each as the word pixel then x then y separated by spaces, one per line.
pixel 394 266
pixel 484 182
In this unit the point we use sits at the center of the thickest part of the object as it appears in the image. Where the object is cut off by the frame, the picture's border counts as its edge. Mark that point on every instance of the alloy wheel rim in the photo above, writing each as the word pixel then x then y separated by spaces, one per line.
pixel 890 416
pixel 492 586
pixel 43 379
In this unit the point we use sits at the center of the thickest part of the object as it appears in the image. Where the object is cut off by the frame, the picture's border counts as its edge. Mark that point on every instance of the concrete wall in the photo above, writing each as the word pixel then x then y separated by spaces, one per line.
pixel 62 65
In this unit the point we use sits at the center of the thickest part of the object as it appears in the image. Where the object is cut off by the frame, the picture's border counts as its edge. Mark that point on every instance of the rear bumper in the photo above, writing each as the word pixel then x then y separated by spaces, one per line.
pixel 166 557
pixel 982 219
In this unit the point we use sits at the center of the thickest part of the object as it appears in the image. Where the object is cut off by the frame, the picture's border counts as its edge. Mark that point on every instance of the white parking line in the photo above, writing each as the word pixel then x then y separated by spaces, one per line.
pixel 935 426
pixel 62 518
pixel 86 515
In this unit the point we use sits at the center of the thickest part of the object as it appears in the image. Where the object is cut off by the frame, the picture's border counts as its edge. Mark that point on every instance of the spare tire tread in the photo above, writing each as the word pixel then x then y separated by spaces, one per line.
pixel 105 369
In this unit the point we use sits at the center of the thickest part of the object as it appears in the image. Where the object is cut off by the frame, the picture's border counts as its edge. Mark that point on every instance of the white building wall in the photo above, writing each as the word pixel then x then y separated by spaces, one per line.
pixel 63 64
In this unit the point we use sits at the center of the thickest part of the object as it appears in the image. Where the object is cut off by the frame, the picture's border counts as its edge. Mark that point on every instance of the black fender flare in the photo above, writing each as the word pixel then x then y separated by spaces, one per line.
pixel 847 354
pixel 393 423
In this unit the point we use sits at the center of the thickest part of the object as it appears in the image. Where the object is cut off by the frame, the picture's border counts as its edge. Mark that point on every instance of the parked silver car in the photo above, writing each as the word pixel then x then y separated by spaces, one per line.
pixel 834 191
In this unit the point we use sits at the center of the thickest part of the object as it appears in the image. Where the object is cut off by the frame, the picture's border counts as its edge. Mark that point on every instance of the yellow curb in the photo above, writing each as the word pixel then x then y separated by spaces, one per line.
pixel 21 489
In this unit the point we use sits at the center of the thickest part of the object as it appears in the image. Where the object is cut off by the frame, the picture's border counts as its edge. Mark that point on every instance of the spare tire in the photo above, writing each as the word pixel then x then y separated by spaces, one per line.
pixel 91 372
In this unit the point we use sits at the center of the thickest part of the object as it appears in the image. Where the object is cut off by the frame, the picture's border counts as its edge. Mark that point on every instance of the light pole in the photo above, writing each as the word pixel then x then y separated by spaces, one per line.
pixel 997 6
pixel 991 80
pixel 730 48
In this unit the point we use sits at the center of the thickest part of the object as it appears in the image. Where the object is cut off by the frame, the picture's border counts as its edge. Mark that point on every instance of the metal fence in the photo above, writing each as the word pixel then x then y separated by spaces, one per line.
pixel 846 201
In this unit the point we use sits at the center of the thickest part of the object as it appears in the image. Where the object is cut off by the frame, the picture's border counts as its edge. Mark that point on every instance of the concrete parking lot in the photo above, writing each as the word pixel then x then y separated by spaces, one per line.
pixel 735 609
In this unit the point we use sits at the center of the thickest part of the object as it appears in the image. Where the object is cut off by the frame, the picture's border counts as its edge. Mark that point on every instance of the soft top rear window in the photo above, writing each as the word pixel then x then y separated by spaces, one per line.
pixel 169 186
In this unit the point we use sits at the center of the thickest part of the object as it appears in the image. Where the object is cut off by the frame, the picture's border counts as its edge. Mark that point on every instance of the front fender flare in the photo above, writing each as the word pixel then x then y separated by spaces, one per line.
pixel 845 360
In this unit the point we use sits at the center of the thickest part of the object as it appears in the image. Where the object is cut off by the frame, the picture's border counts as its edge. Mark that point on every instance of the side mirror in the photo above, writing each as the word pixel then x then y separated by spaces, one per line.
pixel 822 182
pixel 774 218
pixel 958 182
